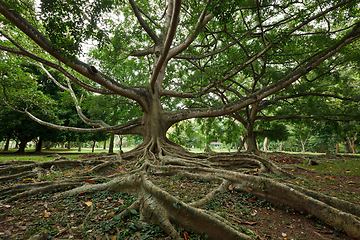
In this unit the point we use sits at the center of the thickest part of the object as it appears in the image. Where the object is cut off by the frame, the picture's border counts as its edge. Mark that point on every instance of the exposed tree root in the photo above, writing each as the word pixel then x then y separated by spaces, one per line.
pixel 157 206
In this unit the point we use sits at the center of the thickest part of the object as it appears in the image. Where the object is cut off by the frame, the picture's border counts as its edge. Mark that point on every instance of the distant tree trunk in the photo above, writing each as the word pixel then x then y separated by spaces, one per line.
pixel 39 145
pixel 337 147
pixel 7 143
pixel 243 143
pixel 105 144
pixel 111 146
pixel 352 143
pixel 79 149
pixel 48 145
pixel 22 145
pixel 93 146
pixel 120 143
pixel 68 145
pixel 281 145
pixel 347 145
pixel 265 144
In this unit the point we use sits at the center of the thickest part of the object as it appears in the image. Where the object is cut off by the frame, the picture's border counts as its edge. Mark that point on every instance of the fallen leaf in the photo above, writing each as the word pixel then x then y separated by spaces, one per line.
pixel 122 171
pixel 113 238
pixel 186 236
pixel 231 187
pixel 46 214
pixel 297 182
pixel 351 182
pixel 67 173
pixel 267 213
pixel 110 214
pixel 331 177
pixel 88 203
pixel 293 170
pixel 255 170
pixel 253 200
pixel 89 181
pixel 87 168
pixel 27 179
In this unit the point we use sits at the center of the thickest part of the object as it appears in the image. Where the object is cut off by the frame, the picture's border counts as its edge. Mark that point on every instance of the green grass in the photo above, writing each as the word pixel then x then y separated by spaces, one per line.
pixel 348 167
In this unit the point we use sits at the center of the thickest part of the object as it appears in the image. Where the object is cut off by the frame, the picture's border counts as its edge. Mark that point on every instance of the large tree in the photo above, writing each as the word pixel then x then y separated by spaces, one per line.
pixel 177 55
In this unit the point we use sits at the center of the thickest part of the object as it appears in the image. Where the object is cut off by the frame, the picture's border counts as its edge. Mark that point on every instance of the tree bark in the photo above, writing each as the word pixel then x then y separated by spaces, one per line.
pixel 111 146
pixel 347 145
pixel 7 143
pixel 22 145
pixel 39 145
pixel 93 146
pixel 104 144
pixel 281 145
pixel 79 149
pixel 265 144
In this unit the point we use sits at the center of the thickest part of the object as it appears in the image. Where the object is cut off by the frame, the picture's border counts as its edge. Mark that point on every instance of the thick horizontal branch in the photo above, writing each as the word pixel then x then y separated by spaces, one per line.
pixel 338 118
pixel 112 129
pixel 271 89
pixel 265 104
pixel 77 65
pixel 58 68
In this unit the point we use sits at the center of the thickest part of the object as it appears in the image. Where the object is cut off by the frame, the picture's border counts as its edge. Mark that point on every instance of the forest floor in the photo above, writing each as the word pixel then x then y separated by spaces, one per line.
pixel 94 215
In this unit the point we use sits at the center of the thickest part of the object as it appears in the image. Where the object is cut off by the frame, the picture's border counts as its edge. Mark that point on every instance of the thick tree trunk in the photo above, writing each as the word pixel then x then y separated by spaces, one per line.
pixel 68 145
pixel 111 146
pixel 337 147
pixel 22 146
pixel 104 144
pixel 251 140
pixel 281 145
pixel 39 145
pixel 250 133
pixel 79 149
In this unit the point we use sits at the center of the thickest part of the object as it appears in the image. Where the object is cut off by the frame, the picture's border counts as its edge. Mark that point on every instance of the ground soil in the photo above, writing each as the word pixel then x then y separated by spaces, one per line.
pixel 94 215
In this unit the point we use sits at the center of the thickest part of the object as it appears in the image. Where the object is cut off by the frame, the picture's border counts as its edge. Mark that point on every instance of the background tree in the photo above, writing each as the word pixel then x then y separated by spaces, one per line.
pixel 184 56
